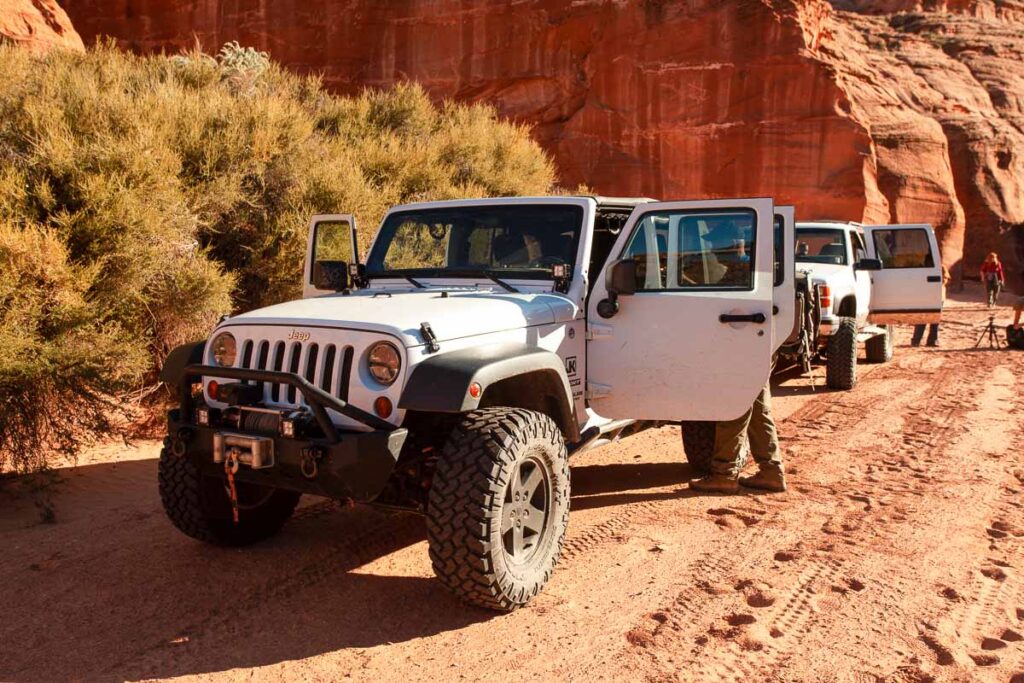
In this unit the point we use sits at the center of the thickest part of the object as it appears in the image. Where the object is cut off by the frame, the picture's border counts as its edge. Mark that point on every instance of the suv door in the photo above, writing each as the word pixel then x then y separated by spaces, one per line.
pixel 693 341
pixel 908 288
pixel 784 257
pixel 862 278
pixel 332 239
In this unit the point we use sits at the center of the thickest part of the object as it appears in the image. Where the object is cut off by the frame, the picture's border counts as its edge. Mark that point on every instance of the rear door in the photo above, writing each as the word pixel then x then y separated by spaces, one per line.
pixel 784 277
pixel 694 341
pixel 909 287
pixel 331 239
pixel 861 278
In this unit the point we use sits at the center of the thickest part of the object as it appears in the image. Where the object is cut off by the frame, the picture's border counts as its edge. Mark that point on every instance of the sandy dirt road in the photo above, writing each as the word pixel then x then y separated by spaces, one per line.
pixel 897 555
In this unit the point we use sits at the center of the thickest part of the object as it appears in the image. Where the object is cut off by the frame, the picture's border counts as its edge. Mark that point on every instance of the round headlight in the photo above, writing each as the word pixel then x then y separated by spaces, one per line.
pixel 383 362
pixel 224 349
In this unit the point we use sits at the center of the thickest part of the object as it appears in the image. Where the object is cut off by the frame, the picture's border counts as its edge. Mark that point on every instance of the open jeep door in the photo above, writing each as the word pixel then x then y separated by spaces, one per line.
pixel 331 244
pixel 680 320
pixel 908 288
pixel 784 276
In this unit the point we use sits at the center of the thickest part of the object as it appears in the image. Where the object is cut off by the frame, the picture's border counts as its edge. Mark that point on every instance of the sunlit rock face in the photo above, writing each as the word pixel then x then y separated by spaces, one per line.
pixel 875 110
pixel 38 25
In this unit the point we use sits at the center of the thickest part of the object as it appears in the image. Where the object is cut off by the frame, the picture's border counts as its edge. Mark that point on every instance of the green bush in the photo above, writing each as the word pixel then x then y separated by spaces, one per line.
pixel 60 361
pixel 143 197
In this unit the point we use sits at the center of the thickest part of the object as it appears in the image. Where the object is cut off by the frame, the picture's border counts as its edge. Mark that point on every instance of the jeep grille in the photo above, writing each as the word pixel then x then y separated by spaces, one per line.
pixel 327 366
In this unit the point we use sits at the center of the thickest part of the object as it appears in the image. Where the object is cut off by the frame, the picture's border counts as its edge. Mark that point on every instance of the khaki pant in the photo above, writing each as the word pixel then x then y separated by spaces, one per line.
pixel 758 426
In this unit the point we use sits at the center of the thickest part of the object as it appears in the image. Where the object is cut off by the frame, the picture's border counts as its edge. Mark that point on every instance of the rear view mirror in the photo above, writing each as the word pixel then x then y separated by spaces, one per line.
pixel 868 264
pixel 331 275
pixel 621 278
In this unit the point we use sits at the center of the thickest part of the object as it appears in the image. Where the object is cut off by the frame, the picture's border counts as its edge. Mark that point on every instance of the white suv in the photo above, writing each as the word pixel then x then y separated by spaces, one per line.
pixel 868 277
pixel 453 373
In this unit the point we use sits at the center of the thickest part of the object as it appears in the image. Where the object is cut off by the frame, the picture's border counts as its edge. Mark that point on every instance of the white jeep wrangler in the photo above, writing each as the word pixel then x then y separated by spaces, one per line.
pixel 481 344
pixel 867 278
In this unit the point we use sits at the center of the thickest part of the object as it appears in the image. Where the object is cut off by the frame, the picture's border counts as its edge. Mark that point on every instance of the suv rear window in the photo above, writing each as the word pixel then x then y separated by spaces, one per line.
pixel 821 245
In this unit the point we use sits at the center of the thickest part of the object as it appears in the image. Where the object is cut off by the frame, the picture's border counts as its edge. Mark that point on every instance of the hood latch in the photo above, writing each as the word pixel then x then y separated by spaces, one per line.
pixel 429 338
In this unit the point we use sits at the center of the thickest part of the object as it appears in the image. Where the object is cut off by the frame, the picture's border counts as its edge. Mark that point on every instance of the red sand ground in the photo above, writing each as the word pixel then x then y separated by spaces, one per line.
pixel 897 555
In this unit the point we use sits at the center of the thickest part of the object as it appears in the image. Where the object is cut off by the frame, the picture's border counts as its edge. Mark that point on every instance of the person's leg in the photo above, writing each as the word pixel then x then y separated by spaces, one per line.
pixel 918 333
pixel 764 439
pixel 933 334
pixel 729 437
pixel 725 460
pixel 764 446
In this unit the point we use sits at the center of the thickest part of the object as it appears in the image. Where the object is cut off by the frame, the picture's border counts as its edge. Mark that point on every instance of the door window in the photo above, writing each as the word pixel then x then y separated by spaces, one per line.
pixel 903 248
pixel 859 252
pixel 709 250
pixel 332 244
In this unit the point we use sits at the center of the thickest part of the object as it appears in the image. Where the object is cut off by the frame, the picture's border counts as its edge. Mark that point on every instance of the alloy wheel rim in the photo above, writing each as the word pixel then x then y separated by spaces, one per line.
pixel 525 510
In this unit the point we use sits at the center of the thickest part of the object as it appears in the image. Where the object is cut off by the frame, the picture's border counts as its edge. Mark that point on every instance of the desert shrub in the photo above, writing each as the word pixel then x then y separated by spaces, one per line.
pixel 143 197
pixel 61 362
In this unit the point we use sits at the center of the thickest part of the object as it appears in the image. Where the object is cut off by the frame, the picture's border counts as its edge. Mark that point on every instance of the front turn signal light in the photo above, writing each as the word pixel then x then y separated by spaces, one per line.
pixel 382 406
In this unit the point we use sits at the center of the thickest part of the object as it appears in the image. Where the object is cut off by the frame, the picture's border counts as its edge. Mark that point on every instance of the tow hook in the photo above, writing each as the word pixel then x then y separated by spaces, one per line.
pixel 309 465
pixel 179 444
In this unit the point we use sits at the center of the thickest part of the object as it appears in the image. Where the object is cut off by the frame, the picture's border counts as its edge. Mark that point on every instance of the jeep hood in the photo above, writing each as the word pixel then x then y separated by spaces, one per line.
pixel 451 314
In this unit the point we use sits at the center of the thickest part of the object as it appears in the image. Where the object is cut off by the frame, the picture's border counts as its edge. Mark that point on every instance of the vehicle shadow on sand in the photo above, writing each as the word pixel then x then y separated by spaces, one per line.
pixel 113 591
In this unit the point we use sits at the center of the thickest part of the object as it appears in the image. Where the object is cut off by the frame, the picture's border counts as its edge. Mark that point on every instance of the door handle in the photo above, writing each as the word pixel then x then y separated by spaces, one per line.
pixel 758 318
pixel 934 278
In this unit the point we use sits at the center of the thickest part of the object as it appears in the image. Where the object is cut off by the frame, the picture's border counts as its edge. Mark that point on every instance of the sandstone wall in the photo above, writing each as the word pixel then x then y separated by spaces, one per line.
pixel 37 25
pixel 880 110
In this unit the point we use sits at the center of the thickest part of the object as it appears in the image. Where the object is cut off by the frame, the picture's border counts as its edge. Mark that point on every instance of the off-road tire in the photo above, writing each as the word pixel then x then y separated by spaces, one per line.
pixel 878 349
pixel 699 446
pixel 841 356
pixel 200 507
pixel 475 473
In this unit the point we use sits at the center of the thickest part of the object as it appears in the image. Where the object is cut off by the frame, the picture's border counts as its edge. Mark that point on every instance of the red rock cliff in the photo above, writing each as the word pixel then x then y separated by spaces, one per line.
pixel 881 110
pixel 37 24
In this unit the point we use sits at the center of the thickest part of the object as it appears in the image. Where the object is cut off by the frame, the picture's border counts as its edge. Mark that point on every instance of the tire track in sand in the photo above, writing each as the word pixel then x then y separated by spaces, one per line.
pixel 745 651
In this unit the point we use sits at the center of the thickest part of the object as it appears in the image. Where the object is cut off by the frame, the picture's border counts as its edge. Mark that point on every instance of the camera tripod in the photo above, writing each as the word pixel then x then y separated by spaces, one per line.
pixel 992 333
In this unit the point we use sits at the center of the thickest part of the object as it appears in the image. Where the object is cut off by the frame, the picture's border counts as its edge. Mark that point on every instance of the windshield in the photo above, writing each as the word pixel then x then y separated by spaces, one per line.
pixel 821 245
pixel 512 241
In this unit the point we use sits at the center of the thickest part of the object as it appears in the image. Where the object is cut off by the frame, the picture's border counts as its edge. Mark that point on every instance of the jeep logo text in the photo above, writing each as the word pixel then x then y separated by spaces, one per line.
pixel 298 336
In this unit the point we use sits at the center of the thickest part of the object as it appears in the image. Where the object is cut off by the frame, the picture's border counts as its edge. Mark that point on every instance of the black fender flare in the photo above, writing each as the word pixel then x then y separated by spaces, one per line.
pixel 440 384
pixel 179 359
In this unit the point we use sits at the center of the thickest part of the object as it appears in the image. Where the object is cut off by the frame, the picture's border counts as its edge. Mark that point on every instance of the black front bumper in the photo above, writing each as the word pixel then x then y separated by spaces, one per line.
pixel 357 467
pixel 334 463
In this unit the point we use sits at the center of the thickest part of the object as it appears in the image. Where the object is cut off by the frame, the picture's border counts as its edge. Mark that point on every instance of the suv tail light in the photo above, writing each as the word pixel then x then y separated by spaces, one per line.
pixel 825 293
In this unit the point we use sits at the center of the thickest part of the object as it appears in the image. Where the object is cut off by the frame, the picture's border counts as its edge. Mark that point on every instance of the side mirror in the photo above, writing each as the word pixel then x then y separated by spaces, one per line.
pixel 868 264
pixel 332 245
pixel 332 275
pixel 621 278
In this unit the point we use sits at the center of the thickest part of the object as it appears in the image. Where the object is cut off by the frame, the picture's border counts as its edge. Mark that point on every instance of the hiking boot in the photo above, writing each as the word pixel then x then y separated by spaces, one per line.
pixel 766 480
pixel 716 483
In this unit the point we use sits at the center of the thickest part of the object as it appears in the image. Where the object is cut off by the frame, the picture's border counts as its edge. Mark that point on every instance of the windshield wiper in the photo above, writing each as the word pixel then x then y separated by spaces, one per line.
pixel 489 274
pixel 416 283
pixel 458 272
pixel 379 276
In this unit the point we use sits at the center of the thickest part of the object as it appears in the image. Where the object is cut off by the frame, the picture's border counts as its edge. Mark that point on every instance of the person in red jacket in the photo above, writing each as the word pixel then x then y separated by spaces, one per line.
pixel 993 277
